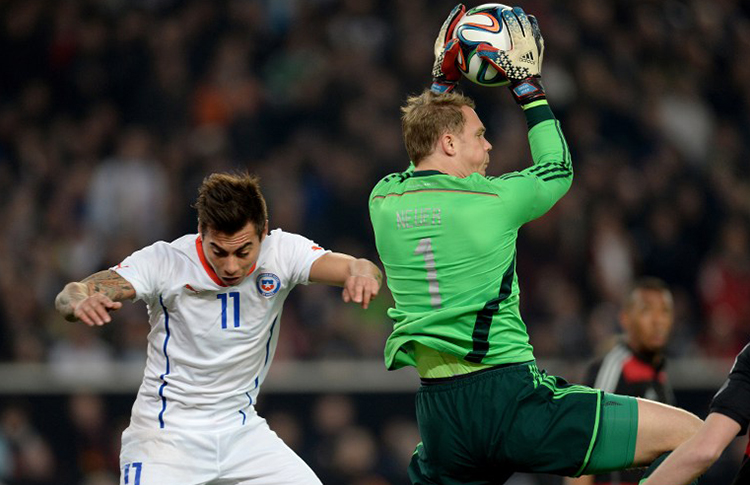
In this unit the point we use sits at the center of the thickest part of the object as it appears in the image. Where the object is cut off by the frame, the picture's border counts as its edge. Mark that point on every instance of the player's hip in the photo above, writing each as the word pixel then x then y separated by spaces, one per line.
pixel 164 411
pixel 510 414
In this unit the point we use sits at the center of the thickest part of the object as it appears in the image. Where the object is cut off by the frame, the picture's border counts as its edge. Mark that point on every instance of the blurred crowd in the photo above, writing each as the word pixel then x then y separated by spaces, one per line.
pixel 112 112
pixel 347 439
pixel 75 440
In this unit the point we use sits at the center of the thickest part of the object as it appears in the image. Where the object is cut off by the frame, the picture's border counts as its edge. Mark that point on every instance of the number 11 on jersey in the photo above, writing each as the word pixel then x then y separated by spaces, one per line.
pixel 224 297
pixel 424 248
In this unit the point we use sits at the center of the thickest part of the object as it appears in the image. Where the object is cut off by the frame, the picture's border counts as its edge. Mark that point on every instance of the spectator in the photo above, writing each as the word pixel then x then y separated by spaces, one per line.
pixel 635 365
pixel 725 290
pixel 32 460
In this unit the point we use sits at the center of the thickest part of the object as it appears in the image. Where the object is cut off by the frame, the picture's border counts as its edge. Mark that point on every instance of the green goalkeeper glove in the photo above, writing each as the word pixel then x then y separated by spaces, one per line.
pixel 522 63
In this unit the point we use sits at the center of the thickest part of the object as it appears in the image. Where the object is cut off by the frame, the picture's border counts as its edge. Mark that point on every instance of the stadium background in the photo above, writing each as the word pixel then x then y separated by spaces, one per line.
pixel 112 111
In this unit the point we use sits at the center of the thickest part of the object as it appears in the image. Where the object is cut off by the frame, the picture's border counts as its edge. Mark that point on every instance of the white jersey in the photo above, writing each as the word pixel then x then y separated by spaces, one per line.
pixel 210 346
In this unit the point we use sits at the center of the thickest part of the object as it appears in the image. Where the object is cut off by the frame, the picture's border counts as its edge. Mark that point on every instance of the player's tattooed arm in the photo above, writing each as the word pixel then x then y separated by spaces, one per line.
pixel 92 299
pixel 110 284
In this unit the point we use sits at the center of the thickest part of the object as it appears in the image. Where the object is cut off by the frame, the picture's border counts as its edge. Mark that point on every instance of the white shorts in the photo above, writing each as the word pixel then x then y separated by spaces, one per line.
pixel 251 454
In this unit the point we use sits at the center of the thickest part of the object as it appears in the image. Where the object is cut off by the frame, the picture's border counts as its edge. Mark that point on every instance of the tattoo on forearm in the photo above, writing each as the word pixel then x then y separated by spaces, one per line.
pixel 110 284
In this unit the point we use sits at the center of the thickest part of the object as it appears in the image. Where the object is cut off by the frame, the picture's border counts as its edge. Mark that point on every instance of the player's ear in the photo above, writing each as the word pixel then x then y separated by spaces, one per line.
pixel 447 143
pixel 265 231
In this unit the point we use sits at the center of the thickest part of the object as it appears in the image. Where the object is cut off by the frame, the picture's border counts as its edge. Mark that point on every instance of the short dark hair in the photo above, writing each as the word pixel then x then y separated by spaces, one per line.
pixel 228 201
pixel 427 116
pixel 646 283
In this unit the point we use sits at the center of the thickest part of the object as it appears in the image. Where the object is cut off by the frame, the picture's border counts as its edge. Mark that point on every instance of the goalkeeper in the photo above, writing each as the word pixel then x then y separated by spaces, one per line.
pixel 446 234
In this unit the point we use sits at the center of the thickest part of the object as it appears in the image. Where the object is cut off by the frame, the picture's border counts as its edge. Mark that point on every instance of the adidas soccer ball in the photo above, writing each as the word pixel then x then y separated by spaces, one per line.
pixel 482 24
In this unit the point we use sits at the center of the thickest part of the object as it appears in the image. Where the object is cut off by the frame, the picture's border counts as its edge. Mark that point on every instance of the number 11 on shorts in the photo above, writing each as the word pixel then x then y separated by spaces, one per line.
pixel 136 467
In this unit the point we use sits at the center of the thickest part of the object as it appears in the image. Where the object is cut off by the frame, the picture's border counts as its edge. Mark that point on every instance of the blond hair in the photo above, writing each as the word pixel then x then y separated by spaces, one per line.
pixel 427 116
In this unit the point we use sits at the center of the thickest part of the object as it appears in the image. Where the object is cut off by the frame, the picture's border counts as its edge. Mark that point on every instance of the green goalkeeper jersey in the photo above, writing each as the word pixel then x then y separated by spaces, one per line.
pixel 448 246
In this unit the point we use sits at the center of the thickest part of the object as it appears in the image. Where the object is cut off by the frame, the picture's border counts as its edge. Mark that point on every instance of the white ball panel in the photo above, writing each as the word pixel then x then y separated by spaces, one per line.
pixel 476 27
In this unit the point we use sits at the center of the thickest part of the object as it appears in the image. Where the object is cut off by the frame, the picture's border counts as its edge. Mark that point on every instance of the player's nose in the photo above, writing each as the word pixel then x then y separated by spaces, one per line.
pixel 231 267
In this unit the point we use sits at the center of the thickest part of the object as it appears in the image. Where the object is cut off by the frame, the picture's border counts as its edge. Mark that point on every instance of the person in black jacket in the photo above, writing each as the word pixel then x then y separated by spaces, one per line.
pixel 635 365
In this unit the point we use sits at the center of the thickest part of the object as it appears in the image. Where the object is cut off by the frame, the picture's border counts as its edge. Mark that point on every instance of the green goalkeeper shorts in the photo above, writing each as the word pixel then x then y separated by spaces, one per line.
pixel 480 428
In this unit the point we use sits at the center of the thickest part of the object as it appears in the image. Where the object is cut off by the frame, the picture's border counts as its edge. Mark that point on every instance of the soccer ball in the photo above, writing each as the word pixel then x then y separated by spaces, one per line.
pixel 482 24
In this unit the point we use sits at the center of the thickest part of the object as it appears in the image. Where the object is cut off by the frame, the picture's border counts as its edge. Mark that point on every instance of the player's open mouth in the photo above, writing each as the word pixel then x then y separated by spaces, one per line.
pixel 231 281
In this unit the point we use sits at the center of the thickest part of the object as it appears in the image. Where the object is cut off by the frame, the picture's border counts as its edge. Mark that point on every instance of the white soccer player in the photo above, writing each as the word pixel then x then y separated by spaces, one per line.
pixel 214 302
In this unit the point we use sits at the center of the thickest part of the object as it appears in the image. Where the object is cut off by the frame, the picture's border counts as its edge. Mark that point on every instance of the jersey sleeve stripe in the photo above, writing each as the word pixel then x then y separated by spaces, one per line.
pixel 481 333
pixel 543 166
pixel 553 170
pixel 567 161
pixel 564 163
pixel 567 174
pixel 552 149
pixel 555 174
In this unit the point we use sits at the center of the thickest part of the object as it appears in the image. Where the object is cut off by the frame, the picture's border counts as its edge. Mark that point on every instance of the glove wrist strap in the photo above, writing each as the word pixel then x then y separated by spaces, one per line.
pixel 527 90
pixel 442 87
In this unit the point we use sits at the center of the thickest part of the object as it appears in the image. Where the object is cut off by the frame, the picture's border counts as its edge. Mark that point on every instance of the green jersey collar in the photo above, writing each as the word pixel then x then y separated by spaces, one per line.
pixel 425 173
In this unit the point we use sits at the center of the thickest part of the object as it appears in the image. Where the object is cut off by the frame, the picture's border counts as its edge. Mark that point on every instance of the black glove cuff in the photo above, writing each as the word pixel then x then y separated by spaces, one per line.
pixel 527 90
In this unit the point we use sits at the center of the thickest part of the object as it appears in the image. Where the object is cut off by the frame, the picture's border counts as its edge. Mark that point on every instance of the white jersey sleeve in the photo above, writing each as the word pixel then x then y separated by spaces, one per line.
pixel 300 254
pixel 148 269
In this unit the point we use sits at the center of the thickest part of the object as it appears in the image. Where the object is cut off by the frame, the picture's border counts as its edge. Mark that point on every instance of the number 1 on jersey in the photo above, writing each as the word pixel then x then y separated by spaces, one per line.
pixel 424 248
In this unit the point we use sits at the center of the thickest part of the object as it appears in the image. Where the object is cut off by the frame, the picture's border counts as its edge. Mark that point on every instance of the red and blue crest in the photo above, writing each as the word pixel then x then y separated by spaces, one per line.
pixel 268 284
